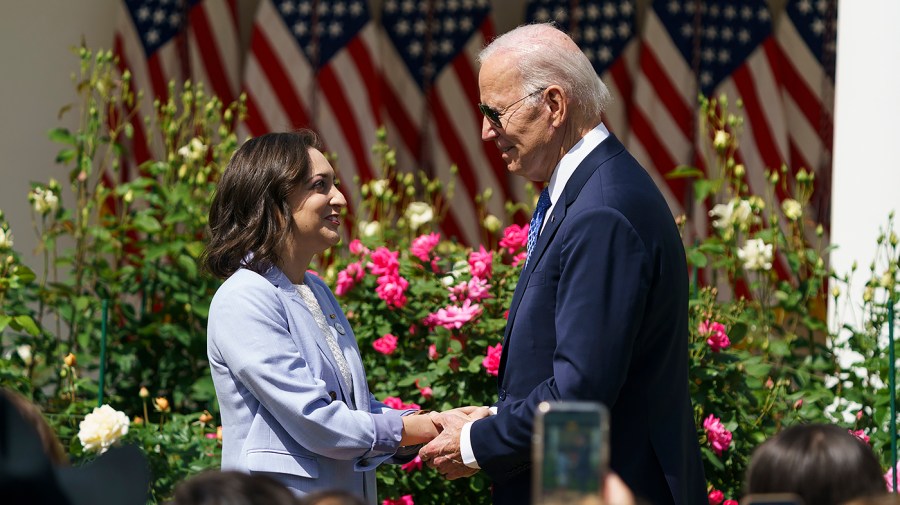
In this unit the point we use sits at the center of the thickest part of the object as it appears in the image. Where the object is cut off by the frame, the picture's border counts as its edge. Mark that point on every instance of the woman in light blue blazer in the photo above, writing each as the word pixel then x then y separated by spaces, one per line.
pixel 288 375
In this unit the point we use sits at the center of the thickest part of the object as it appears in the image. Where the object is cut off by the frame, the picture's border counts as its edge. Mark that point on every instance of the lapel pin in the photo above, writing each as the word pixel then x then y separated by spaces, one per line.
pixel 332 316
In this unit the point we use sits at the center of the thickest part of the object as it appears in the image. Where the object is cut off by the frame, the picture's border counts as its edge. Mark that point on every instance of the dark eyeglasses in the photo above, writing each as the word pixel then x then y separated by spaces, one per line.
pixel 493 115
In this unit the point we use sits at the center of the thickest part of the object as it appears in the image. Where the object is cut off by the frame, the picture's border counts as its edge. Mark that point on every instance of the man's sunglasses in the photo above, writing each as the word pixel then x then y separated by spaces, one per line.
pixel 493 115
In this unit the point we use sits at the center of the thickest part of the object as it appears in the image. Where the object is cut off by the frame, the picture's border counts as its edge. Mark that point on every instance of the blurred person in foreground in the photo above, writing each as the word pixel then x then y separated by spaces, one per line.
pixel 35 471
pixel 286 367
pixel 601 306
pixel 823 464
pixel 232 488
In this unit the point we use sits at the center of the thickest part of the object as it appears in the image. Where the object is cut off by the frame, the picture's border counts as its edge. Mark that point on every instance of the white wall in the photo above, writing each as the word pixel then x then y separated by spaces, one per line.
pixel 866 181
pixel 35 37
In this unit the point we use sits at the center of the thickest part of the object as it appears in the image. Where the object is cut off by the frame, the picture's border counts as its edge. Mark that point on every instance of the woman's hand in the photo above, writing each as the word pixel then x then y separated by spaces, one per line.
pixel 418 429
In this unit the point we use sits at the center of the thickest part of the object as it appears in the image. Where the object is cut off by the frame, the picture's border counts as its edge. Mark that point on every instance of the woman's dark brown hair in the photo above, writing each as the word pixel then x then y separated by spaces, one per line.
pixel 249 215
pixel 821 463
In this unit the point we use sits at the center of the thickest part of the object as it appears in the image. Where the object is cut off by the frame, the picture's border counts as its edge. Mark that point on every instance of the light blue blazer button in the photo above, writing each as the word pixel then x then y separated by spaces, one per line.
pixel 340 328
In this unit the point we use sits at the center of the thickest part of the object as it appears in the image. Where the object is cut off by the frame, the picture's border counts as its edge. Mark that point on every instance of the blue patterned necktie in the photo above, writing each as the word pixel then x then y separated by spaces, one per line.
pixel 537 219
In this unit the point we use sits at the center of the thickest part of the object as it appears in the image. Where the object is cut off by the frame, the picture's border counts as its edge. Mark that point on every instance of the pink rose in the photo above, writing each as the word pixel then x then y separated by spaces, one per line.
pixel 860 434
pixel 715 333
pixel 481 263
pixel 422 245
pixel 392 289
pixel 397 404
pixel 453 316
pixel 719 438
pixel 357 247
pixel 889 477
pixel 403 500
pixel 730 502
pixel 514 238
pixel 519 258
pixel 432 352
pixel 415 464
pixel 425 391
pixel 716 497
pixel 476 290
pixel 384 262
pixel 491 361
pixel 348 277
pixel 386 344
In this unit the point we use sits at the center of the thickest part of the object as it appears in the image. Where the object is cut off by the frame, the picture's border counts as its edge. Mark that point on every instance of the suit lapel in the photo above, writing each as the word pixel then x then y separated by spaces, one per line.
pixel 603 152
pixel 277 278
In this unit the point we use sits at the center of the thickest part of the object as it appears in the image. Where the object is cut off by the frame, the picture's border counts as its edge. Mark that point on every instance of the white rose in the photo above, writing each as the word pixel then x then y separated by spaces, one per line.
pixel 721 214
pixel 419 213
pixel 756 255
pixel 367 229
pixel 378 186
pixel 742 212
pixel 194 150
pixel 792 209
pixel 720 142
pixel 6 239
pixel 44 201
pixel 102 428
pixel 24 352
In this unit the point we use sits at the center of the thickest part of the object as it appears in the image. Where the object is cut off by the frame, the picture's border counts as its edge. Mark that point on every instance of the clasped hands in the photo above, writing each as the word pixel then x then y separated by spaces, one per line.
pixel 442 450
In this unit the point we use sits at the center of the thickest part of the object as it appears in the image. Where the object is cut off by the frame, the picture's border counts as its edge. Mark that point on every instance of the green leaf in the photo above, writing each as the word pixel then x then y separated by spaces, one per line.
pixel 4 321
pixel 189 265
pixel 66 155
pixel 27 324
pixel 684 171
pixel 146 223
pixel 696 258
pixel 61 135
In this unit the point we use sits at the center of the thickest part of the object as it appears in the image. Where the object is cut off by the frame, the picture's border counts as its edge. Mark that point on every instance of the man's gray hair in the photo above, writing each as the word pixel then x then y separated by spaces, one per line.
pixel 544 55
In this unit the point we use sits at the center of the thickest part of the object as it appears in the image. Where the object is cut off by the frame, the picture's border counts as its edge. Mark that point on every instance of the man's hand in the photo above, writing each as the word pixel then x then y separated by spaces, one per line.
pixel 443 452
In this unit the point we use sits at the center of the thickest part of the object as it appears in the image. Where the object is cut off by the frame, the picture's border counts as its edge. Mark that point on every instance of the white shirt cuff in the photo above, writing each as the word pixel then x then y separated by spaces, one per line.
pixel 465 446
pixel 465 443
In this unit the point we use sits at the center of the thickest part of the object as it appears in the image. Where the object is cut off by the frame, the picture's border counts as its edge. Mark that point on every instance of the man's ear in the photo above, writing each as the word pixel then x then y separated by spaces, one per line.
pixel 556 99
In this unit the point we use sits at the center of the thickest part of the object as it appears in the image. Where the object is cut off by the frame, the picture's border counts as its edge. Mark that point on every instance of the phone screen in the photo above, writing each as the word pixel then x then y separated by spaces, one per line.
pixel 572 459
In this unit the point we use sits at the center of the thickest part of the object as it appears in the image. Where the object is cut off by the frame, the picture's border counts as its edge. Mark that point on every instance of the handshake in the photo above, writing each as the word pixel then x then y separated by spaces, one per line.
pixel 440 432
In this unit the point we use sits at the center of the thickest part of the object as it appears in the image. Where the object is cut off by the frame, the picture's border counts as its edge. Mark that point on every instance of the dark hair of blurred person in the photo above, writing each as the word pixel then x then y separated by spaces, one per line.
pixel 232 488
pixel 331 497
pixel 885 499
pixel 822 463
pixel 33 416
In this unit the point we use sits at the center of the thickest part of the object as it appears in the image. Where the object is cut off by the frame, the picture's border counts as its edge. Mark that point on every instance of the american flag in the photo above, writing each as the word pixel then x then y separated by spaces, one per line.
pixel 710 47
pixel 311 65
pixel 159 41
pixel 807 35
pixel 606 32
pixel 662 122
pixel 430 92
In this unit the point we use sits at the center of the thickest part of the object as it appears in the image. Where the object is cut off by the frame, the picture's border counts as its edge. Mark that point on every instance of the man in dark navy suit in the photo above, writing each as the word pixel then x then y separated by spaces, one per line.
pixel 600 312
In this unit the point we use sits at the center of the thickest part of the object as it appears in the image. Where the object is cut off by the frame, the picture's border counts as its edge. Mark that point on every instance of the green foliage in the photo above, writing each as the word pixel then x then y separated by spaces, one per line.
pixel 134 245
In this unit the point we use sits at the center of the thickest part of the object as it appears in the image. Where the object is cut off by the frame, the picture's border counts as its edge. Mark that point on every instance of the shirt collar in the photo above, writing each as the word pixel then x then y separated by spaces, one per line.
pixel 567 165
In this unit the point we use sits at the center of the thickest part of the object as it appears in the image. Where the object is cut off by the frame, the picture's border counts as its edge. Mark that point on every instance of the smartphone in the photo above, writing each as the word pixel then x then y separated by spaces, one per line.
pixel 772 499
pixel 570 453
